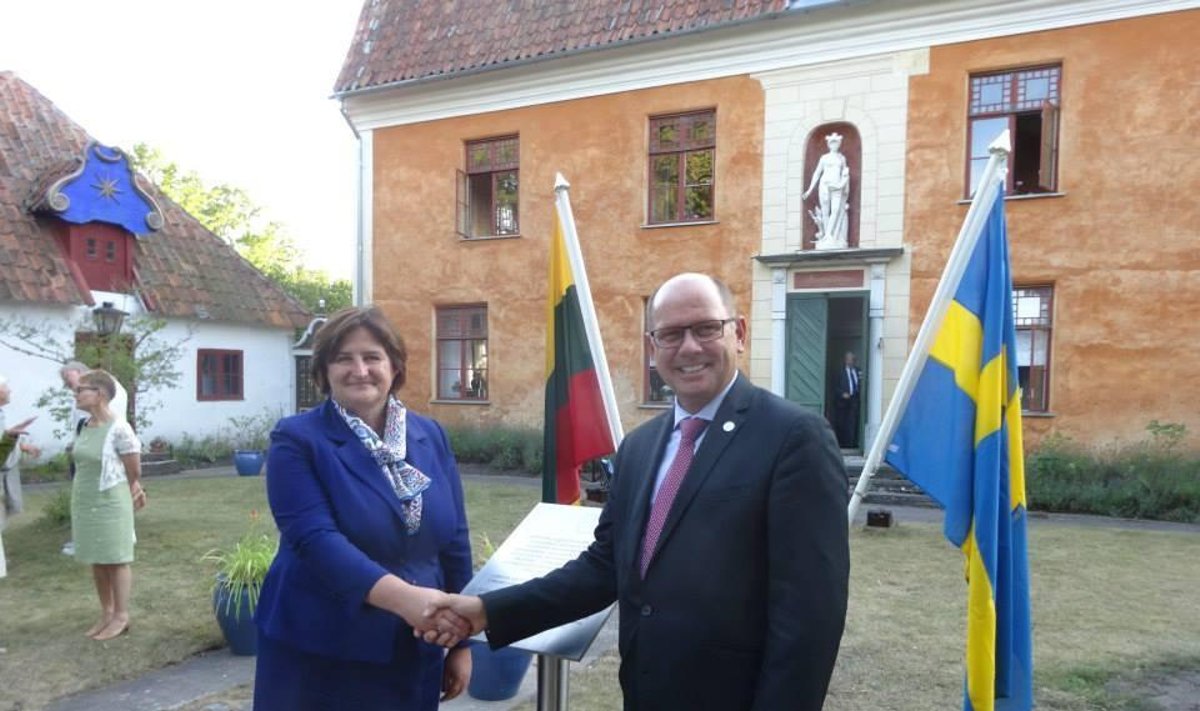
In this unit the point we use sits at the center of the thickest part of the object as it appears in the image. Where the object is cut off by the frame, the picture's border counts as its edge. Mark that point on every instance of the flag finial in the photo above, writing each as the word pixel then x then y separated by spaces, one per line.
pixel 1002 144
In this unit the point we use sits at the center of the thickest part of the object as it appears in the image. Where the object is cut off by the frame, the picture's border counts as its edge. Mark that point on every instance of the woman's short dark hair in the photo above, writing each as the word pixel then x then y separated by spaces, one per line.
pixel 333 333
pixel 101 379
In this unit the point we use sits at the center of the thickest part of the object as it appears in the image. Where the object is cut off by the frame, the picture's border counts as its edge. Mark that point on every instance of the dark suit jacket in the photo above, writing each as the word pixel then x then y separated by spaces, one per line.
pixel 844 385
pixel 744 601
pixel 341 531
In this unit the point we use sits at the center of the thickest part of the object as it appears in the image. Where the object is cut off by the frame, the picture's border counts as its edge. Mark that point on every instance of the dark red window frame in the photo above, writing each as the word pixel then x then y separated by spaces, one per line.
pixel 681 169
pixel 489 190
pixel 1032 119
pixel 1036 332
pixel 462 352
pixel 655 390
pixel 227 370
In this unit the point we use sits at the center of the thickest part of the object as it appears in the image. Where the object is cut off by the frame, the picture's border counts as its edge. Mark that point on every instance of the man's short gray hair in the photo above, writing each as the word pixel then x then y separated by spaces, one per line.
pixel 75 365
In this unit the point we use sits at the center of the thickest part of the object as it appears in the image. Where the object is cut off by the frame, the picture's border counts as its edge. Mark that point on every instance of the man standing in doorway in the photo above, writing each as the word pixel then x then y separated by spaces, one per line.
pixel 846 404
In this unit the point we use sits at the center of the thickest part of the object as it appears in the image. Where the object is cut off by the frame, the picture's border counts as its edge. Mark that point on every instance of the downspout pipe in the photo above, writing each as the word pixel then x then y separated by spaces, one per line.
pixel 359 255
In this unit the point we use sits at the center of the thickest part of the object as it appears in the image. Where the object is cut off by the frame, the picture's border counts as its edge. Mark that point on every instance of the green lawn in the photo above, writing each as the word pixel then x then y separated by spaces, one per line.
pixel 1109 605
pixel 47 600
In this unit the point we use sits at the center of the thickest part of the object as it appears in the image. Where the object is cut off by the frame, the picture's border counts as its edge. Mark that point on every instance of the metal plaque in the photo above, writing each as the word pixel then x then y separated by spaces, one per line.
pixel 549 536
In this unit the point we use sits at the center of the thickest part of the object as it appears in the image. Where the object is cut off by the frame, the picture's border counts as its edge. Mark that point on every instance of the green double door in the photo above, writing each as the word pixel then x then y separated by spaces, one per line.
pixel 821 329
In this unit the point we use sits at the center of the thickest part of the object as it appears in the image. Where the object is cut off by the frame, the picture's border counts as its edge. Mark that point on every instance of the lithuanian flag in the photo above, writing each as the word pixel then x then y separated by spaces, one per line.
pixel 576 426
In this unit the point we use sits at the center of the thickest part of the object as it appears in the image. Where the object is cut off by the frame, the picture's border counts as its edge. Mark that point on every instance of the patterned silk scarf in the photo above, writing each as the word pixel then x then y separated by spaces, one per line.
pixel 407 481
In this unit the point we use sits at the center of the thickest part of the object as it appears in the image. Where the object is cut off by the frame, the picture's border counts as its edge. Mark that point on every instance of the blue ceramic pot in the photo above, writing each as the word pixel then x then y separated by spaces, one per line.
pixel 496 675
pixel 249 462
pixel 236 620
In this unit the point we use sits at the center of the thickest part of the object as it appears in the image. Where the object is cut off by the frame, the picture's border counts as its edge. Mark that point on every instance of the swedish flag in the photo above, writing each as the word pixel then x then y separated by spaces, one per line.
pixel 959 439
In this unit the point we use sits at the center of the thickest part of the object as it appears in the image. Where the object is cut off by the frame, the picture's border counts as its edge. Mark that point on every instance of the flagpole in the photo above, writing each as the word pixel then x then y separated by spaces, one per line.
pixel 956 264
pixel 583 290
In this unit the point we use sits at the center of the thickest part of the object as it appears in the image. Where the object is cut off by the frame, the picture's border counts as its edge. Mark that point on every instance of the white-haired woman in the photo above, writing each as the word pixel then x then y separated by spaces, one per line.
pixel 10 470
pixel 8 444
pixel 104 495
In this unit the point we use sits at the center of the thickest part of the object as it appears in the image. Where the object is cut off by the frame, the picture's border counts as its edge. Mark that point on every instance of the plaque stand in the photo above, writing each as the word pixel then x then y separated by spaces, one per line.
pixel 548 537
pixel 553 683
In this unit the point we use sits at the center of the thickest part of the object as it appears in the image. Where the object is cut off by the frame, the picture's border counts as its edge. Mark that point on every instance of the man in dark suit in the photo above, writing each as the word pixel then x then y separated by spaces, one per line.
pixel 846 404
pixel 724 539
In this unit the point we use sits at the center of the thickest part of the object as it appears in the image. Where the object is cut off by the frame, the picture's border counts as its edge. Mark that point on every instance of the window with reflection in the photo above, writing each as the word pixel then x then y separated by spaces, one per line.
pixel 1033 313
pixel 462 353
pixel 488 189
pixel 219 374
pixel 1027 103
pixel 656 390
pixel 682 153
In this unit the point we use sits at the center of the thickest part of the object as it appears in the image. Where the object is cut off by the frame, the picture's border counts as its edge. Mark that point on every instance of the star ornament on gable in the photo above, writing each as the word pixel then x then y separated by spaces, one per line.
pixel 108 187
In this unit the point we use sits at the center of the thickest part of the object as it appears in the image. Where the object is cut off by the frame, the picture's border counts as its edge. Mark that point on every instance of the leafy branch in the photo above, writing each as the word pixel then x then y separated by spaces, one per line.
pixel 140 358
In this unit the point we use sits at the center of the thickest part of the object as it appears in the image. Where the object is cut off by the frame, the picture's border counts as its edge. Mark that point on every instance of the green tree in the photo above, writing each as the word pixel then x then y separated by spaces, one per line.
pixel 140 358
pixel 229 213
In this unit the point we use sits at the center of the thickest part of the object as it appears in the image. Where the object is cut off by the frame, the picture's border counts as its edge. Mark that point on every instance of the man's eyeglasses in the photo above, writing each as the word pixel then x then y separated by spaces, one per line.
pixel 92 388
pixel 672 336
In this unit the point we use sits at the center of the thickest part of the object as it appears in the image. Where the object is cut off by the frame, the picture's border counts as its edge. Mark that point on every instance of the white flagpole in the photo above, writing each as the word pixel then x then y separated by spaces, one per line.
pixel 583 290
pixel 956 264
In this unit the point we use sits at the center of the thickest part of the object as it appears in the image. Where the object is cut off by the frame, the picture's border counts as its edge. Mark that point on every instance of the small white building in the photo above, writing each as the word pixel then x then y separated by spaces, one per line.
pixel 80 231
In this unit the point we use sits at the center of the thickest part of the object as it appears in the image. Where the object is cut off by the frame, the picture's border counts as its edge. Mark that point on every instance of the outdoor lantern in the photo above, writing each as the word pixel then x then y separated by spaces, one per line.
pixel 108 318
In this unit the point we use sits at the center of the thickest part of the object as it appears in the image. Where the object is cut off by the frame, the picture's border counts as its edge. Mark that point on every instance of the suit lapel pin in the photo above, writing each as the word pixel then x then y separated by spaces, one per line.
pixel 728 426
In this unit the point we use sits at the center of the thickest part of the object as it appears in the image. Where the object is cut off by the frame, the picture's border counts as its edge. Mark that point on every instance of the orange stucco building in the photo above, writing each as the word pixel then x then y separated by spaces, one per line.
pixel 421 264
pixel 465 116
pixel 1111 249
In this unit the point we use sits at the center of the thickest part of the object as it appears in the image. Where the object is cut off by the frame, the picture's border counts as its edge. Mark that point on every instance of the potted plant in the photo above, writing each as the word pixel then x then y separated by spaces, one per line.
pixel 496 674
pixel 239 578
pixel 250 436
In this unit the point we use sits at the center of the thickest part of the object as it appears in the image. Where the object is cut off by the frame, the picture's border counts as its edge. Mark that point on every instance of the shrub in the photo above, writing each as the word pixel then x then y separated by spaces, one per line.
pixel 509 448
pixel 209 449
pixel 1149 479
pixel 57 511
pixel 53 469
pixel 253 432
pixel 532 453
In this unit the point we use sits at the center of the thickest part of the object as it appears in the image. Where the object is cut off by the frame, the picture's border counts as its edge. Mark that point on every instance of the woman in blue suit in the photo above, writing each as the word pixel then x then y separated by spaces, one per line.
pixel 372 531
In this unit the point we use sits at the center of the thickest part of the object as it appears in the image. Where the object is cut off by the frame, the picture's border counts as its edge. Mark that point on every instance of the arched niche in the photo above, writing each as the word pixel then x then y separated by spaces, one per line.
pixel 814 148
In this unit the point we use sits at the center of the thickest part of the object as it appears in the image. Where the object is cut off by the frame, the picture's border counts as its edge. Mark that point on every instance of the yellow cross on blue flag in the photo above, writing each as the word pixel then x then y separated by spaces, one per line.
pixel 959 439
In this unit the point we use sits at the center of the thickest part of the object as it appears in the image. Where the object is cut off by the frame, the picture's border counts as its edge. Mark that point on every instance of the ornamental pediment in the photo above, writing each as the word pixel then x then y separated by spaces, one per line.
pixel 101 187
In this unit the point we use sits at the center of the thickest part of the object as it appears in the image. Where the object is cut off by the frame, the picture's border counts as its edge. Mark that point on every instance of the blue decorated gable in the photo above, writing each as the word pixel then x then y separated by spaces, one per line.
pixel 104 188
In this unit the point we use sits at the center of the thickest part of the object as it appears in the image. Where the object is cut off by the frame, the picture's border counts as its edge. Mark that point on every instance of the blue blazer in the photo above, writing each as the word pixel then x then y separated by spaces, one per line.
pixel 341 531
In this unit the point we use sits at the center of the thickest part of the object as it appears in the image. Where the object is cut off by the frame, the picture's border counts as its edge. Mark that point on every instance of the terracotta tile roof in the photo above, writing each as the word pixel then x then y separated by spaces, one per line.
pixel 183 270
pixel 403 40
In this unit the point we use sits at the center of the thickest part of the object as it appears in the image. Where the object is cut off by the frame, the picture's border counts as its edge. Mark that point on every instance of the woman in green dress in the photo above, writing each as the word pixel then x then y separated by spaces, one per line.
pixel 104 495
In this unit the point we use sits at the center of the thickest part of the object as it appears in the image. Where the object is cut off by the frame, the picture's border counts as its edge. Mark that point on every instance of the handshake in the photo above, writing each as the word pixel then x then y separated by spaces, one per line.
pixel 445 619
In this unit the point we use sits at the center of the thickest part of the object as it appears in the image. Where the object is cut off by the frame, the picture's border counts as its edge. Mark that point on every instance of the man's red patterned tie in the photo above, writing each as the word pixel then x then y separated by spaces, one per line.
pixel 689 429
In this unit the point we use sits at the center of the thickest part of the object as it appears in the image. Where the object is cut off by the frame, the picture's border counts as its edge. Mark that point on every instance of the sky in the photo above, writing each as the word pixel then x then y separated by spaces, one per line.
pixel 236 90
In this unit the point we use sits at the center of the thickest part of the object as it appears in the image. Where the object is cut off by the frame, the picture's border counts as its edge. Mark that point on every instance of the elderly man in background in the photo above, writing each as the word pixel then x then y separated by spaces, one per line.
pixel 70 373
pixel 10 463
pixel 9 439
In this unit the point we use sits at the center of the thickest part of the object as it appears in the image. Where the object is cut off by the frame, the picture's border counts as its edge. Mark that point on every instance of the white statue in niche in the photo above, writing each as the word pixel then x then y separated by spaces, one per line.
pixel 831 179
